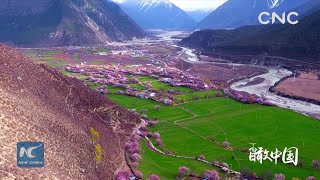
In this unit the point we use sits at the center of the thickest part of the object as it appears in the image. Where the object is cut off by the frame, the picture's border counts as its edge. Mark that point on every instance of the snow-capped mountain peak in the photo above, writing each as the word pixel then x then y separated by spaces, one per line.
pixel 158 14
pixel 146 4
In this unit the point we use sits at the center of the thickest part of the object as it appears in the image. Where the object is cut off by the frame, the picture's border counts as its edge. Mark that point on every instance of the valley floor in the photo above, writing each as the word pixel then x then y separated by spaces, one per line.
pixel 194 119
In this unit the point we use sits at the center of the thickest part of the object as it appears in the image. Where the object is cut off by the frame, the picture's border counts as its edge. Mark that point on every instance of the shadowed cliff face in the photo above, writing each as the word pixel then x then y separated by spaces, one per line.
pixel 64 23
pixel 39 104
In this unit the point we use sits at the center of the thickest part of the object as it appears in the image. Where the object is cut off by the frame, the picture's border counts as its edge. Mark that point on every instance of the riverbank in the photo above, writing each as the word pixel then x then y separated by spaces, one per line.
pixel 300 86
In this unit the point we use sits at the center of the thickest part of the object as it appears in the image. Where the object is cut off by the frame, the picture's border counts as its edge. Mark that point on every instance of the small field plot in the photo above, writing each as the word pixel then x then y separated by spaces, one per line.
pixel 199 94
pixel 51 52
pixel 99 50
pixel 165 113
pixel 167 167
pixel 161 86
pixel 93 85
pixel 30 53
pixel 137 86
pixel 53 58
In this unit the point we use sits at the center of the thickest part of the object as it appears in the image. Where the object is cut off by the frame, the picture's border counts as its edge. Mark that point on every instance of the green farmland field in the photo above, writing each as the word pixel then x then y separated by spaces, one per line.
pixel 200 128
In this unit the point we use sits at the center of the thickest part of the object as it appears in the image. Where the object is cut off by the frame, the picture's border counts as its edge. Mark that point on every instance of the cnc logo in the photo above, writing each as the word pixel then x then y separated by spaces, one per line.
pixel 30 154
pixel 291 18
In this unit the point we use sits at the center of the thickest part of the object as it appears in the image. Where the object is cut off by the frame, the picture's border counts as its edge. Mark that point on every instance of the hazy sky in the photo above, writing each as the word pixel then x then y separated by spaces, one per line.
pixel 191 5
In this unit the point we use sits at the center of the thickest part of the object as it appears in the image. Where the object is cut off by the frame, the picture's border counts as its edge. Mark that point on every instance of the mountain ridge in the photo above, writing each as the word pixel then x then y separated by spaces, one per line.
pixel 65 23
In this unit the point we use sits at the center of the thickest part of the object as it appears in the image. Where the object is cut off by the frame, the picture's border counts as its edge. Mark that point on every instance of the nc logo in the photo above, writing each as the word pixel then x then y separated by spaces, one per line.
pixel 264 18
pixel 30 154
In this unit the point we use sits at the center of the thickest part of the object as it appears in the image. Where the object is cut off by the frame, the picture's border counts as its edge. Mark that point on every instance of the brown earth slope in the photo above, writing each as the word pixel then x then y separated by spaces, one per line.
pixel 39 104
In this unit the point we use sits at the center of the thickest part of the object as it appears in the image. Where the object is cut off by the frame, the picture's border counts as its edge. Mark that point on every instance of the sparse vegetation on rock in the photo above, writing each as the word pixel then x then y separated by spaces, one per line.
pixel 98 153
pixel 94 134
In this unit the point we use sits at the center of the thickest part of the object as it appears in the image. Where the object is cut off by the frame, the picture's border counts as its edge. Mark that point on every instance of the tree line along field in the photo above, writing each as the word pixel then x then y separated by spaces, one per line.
pixel 200 127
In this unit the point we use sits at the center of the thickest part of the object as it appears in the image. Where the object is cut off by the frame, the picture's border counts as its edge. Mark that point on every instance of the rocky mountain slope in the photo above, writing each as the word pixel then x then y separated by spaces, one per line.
pixel 236 13
pixel 64 23
pixel 158 14
pixel 299 41
pixel 39 104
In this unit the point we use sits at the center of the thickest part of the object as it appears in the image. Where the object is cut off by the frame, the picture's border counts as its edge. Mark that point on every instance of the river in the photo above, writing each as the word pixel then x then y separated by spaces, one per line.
pixel 274 75
pixel 186 53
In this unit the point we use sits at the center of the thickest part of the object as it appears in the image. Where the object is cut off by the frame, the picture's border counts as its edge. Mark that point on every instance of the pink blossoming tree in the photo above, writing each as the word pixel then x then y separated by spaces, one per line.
pixel 279 176
pixel 154 177
pixel 122 175
pixel 211 175
pixel 156 135
pixel 135 157
pixel 183 171
pixel 226 144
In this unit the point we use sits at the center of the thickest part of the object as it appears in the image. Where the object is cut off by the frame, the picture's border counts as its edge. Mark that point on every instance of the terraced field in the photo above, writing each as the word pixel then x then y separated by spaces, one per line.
pixel 200 128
